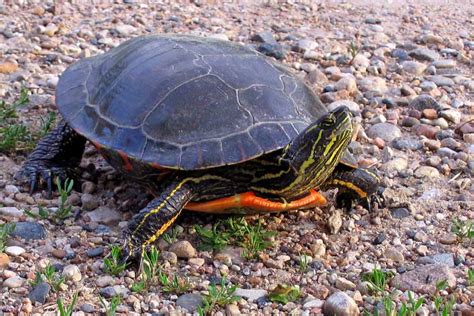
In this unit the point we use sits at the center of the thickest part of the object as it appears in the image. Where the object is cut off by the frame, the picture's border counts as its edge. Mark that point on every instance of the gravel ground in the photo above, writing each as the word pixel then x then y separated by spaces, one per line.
pixel 405 70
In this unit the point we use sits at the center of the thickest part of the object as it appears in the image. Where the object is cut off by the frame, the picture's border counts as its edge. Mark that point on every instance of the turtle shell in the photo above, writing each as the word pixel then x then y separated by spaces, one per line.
pixel 186 102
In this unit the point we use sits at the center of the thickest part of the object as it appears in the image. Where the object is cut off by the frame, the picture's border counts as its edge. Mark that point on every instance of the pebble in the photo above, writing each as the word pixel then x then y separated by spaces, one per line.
pixel 385 131
pixel 190 301
pixel 424 54
pixel 374 84
pixel 104 281
pixel 264 37
pixel 423 279
pixel 14 251
pixel 251 294
pixel 13 282
pixel 183 249
pixel 425 130
pixel 39 293
pixel 232 310
pixel 444 63
pixel 351 105
pixel 318 248
pixel 400 212
pixel 105 215
pixel 443 258
pixel 4 260
pixel 394 254
pixel 8 67
pixel 344 284
pixel 442 81
pixel 196 261
pixel 125 30
pixel 59 253
pixel 313 304
pixel 346 83
pixel 11 211
pixel 452 116
pixel 95 252
pixel 89 202
pixel 407 143
pixel 424 102
pixel 397 164
pixel 413 68
pixel 171 257
pixel 340 304
pixel 360 61
pixel 448 239
pixel 72 272
pixel 305 45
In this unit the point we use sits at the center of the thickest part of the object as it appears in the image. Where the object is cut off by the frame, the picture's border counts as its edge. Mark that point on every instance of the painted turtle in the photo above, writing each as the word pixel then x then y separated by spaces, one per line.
pixel 210 125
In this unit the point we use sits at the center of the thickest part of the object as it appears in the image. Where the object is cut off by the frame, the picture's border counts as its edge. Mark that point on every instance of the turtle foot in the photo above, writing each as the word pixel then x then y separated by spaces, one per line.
pixel 38 175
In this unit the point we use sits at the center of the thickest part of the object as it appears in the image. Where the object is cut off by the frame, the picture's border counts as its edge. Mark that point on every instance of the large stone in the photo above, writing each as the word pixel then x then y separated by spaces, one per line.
pixel 426 172
pixel 424 54
pixel 423 279
pixel 29 231
pixel 40 293
pixel 413 67
pixel 183 249
pixel 104 215
pixel 340 304
pixel 424 102
pixel 375 84
pixel 386 131
pixel 190 301
pixel 250 294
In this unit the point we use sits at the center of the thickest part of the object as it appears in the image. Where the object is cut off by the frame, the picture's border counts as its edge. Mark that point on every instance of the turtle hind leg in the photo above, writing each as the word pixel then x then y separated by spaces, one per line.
pixel 56 155
pixel 152 221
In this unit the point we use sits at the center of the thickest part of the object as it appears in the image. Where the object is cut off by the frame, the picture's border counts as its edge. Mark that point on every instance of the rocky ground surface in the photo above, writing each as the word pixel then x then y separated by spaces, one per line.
pixel 405 71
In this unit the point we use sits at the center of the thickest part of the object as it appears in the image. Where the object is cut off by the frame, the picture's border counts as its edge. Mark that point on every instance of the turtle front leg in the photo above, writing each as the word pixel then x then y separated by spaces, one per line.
pixel 152 221
pixel 56 155
pixel 356 186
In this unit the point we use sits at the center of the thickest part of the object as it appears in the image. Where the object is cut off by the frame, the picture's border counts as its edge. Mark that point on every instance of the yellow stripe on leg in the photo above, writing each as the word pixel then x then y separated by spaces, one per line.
pixel 162 229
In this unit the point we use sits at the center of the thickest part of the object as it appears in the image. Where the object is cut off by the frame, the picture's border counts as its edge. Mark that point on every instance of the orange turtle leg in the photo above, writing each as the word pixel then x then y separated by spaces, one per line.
pixel 250 200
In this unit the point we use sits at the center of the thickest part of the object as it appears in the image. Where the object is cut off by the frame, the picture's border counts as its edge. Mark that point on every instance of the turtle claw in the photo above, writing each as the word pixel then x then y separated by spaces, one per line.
pixel 37 175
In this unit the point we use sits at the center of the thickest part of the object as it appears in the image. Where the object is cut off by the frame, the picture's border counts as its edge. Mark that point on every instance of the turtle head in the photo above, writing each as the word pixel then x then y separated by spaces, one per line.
pixel 315 153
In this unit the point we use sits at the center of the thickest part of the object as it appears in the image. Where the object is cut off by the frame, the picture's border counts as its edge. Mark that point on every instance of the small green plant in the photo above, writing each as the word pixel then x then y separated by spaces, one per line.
pixel 112 262
pixel 171 235
pixel 219 295
pixel 284 293
pixel 442 306
pixel 174 285
pixel 110 307
pixel 303 263
pixel 12 134
pixel 353 49
pixel 38 279
pixel 212 239
pixel 53 278
pixel 46 124
pixel 463 229
pixel 255 240
pixel 5 230
pixel 378 280
pixel 63 211
pixel 412 307
pixel 149 270
pixel 67 311
pixel 470 277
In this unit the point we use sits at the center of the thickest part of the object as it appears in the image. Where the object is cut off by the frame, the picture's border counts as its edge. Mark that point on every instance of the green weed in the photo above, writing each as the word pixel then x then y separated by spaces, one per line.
pixel 219 295
pixel 412 307
pixel 68 310
pixel 173 285
pixel 149 270
pixel 52 277
pixel 5 230
pixel 112 262
pixel 110 307
pixel 470 277
pixel 212 239
pixel 284 293
pixel 46 124
pixel 378 280
pixel 463 229
pixel 303 263
pixel 255 240
pixel 171 236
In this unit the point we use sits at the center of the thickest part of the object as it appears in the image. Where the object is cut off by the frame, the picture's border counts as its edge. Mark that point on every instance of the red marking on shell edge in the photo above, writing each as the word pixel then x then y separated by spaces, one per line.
pixel 97 145
pixel 127 166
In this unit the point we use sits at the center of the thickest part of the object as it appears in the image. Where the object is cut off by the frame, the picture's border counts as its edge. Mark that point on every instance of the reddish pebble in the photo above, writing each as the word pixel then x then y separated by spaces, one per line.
pixel 392 115
pixel 4 260
pixel 59 253
pixel 426 130
pixel 430 114
pixel 433 144
pixel 379 142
